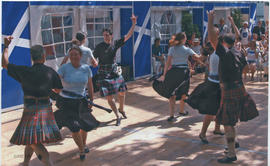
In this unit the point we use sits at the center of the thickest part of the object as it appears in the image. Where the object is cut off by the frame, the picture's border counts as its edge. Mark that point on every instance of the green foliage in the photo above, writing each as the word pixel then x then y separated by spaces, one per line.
pixel 188 27
pixel 236 15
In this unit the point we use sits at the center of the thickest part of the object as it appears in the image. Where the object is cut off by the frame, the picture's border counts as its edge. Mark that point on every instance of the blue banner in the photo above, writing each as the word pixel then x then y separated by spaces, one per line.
pixel 15 22
pixel 252 16
pixel 142 39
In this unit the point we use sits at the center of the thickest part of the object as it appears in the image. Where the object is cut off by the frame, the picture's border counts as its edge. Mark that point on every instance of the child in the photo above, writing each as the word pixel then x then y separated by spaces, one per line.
pixel 251 56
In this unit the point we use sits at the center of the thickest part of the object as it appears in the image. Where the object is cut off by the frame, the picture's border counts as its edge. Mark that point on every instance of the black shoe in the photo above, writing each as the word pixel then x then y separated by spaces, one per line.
pixel 170 119
pixel 86 150
pixel 123 114
pixel 203 139
pixel 183 114
pixel 226 159
pixel 118 122
pixel 218 133
pixel 82 156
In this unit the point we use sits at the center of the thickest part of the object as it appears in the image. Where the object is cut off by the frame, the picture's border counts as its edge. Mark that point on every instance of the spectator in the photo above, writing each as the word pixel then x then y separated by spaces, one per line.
pixel 196 47
pixel 223 28
pixel 245 34
pixel 259 29
pixel 157 57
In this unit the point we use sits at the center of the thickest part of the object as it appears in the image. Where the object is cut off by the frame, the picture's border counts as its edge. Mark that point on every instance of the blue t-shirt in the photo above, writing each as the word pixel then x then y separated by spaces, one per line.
pixel 180 54
pixel 74 79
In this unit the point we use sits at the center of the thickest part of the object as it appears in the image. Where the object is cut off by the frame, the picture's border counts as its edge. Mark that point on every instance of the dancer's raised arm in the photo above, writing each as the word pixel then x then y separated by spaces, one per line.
pixel 236 31
pixel 7 41
pixel 131 30
pixel 212 31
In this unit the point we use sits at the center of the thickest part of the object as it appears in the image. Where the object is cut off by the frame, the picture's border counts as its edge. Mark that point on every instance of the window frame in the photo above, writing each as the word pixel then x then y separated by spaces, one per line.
pixel 94 23
pixel 62 27
pixel 163 41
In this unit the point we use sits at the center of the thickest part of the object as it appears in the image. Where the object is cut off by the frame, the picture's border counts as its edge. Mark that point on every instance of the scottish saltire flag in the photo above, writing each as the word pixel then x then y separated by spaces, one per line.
pixel 15 22
pixel 142 39
pixel 252 15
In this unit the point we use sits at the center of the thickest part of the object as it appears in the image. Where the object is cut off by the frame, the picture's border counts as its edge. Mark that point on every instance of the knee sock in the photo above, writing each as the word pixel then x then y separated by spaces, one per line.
pixel 230 137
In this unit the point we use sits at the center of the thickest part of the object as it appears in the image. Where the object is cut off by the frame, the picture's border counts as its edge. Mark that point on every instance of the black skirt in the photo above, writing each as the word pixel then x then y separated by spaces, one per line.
pixel 205 98
pixel 75 115
pixel 176 82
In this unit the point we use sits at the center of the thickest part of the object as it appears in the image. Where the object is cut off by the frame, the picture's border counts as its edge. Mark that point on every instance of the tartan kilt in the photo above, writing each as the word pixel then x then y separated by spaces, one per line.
pixel 37 125
pixel 110 81
pixel 111 86
pixel 205 98
pixel 173 78
pixel 236 104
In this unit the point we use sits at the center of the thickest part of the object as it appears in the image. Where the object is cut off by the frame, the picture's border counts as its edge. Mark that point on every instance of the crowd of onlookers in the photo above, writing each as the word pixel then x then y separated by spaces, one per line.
pixel 252 44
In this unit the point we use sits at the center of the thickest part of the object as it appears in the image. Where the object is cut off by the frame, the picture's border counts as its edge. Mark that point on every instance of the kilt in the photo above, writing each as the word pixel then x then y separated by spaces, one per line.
pixel 205 98
pixel 174 77
pixel 236 104
pixel 37 125
pixel 74 114
pixel 109 81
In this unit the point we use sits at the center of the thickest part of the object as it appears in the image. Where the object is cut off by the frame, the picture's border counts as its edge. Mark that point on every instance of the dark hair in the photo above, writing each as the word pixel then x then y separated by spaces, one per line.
pixel 216 25
pixel 180 36
pixel 75 47
pixel 239 38
pixel 107 30
pixel 228 39
pixel 210 47
pixel 36 52
pixel 157 39
pixel 80 36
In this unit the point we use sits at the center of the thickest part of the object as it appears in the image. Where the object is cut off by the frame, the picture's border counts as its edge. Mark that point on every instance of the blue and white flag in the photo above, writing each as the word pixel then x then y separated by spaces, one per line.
pixel 252 15
pixel 15 22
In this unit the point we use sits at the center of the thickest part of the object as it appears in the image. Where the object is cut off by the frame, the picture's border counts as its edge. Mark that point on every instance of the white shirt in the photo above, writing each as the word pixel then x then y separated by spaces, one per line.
pixel 244 33
pixel 251 55
pixel 213 66
pixel 87 55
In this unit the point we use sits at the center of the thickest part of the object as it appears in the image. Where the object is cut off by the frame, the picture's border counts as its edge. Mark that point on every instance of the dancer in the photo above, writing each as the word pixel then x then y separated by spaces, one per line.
pixel 109 80
pixel 174 83
pixel 87 55
pixel 235 101
pixel 206 96
pixel 74 111
pixel 37 125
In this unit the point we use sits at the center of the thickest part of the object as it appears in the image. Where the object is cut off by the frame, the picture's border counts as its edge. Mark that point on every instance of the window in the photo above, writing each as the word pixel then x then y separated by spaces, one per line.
pixel 168 27
pixel 96 21
pixel 56 32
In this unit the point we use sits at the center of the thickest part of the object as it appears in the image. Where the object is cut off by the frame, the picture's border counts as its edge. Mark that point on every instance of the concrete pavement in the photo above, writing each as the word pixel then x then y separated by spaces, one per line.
pixel 146 138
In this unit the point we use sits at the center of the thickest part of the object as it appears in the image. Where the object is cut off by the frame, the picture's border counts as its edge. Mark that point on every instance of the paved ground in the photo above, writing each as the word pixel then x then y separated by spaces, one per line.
pixel 146 138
